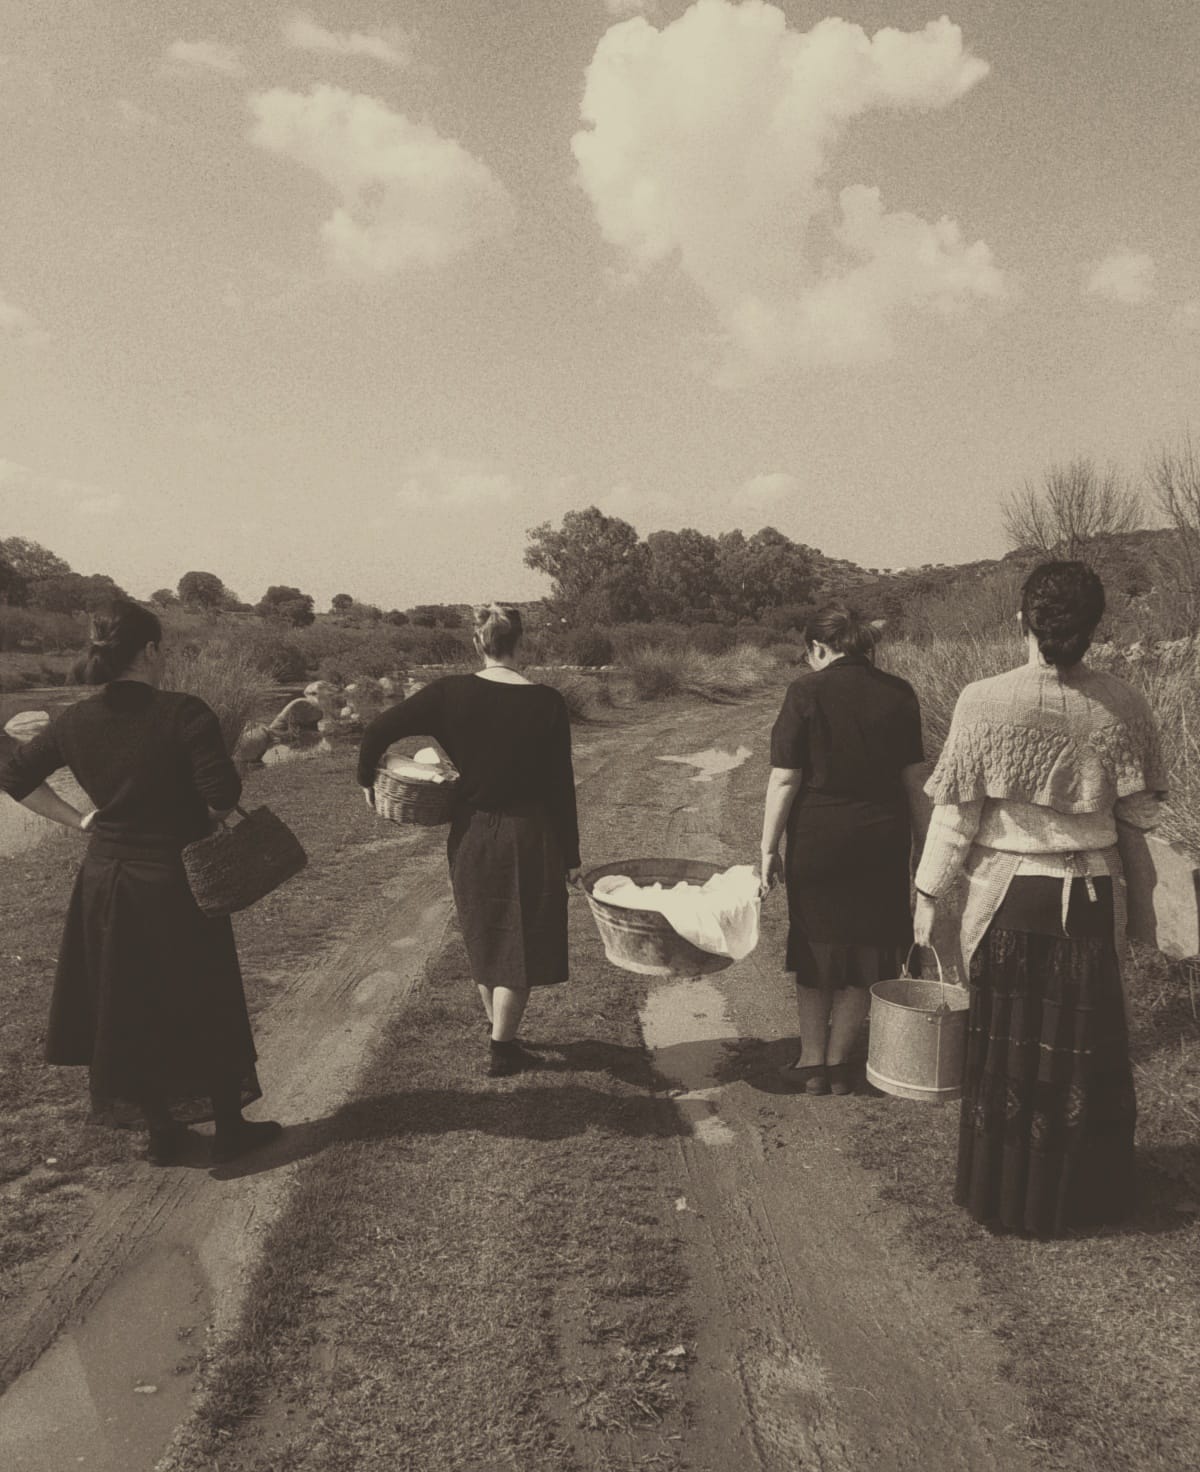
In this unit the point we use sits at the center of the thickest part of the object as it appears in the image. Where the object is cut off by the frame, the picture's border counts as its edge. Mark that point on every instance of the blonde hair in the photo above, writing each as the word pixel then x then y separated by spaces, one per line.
pixel 498 626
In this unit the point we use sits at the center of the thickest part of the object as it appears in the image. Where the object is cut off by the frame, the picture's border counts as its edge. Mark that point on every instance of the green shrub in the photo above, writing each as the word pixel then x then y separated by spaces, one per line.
pixel 631 639
pixel 712 638
pixel 577 690
pixel 657 673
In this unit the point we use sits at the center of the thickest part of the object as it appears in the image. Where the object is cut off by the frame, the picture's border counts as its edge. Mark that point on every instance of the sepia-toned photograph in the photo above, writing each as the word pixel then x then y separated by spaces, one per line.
pixel 599 736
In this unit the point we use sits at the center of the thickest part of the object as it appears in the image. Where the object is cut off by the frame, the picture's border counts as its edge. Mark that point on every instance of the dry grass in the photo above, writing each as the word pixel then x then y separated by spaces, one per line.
pixel 229 680
pixel 657 673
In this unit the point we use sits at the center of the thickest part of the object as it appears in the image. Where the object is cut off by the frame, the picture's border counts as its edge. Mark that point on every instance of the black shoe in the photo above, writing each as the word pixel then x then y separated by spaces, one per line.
pixel 505 1059
pixel 841 1078
pixel 811 1079
pixel 247 1135
pixel 165 1146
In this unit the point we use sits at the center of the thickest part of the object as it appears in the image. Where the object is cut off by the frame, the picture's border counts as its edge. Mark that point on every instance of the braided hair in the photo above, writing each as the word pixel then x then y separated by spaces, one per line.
pixel 1061 603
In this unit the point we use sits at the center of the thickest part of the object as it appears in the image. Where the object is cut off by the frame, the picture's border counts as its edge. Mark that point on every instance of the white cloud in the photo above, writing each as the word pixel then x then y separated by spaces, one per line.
pixel 16 322
pixel 212 56
pixel 1187 317
pixel 707 145
pixel 436 480
pixel 410 197
pixel 1125 276
pixel 391 47
pixel 774 489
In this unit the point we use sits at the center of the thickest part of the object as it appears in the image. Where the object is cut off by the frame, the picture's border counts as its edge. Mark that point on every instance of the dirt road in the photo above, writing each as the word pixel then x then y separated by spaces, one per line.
pixel 823 1342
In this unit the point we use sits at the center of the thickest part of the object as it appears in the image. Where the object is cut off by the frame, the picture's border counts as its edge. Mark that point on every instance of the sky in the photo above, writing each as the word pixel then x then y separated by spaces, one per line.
pixel 351 296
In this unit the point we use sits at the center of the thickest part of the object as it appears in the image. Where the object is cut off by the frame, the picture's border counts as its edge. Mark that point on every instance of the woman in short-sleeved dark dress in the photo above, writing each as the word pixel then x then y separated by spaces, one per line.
pixel 514 840
pixel 148 992
pixel 844 752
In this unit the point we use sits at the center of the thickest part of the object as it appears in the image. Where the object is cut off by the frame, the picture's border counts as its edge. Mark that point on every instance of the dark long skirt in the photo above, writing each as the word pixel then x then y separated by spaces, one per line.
pixel 846 870
pixel 509 881
pixel 148 993
pixel 1048 1108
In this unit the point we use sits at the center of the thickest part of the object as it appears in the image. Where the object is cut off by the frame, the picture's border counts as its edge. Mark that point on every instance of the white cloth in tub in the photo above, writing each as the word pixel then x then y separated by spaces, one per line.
pixel 719 916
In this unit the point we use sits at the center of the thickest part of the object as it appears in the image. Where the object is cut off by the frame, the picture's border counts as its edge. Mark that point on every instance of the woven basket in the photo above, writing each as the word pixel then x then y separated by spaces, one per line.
pixel 412 801
pixel 236 866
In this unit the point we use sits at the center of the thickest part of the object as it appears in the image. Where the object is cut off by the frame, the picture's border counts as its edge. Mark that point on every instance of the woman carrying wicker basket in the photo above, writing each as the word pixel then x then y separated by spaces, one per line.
pixel 148 993
pixel 514 838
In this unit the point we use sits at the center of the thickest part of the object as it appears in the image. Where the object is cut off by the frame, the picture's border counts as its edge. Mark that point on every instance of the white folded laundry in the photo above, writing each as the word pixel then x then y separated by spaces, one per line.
pixel 719 916
pixel 426 766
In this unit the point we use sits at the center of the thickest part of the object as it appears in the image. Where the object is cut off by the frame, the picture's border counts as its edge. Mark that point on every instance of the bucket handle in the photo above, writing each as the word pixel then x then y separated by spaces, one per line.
pixel 905 972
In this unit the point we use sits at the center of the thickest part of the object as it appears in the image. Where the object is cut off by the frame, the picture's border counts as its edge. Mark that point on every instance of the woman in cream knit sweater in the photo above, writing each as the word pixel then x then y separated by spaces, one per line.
pixel 1038 764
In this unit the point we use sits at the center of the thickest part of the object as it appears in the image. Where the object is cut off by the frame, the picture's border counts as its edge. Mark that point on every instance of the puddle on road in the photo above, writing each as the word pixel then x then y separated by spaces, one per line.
pixel 712 763
pixel 686 1026
pixel 87 1401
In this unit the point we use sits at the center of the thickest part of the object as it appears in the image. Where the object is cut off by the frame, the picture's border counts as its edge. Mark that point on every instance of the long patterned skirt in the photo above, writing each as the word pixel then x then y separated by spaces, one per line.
pixel 1048 1108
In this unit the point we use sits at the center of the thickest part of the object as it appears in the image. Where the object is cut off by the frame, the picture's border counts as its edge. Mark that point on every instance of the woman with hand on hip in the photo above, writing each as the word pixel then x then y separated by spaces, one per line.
pixel 148 992
pixel 844 751
pixel 1038 764
pixel 514 839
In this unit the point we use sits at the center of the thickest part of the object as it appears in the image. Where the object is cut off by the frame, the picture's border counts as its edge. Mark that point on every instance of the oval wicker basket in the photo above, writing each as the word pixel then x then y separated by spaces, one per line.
pixel 404 800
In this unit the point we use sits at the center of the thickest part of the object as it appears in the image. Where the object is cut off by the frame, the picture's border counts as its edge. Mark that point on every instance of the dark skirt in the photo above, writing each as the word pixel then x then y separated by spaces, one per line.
pixel 846 871
pixel 1048 1107
pixel 509 881
pixel 148 992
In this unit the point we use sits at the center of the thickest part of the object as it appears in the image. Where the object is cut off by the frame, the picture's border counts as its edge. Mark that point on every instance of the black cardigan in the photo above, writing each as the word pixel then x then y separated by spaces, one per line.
pixel 511 744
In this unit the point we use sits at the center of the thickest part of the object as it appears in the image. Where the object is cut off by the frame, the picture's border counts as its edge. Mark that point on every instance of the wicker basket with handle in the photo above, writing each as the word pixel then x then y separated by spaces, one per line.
pixel 236 866
pixel 414 800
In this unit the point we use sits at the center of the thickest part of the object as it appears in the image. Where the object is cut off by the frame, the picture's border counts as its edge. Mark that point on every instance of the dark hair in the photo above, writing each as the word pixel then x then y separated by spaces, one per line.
pixel 1061 603
pixel 843 629
pixel 120 631
pixel 498 627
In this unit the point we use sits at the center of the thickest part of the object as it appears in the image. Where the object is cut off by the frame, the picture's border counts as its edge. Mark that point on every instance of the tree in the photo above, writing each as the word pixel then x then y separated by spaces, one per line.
pixel 394 617
pixel 203 590
pixel 597 566
pixel 1174 479
pixel 13 587
pixel 164 598
pixel 30 560
pixel 1072 506
pixel 287 605
pixel 681 574
pixel 762 572
pixel 341 603
pixel 436 616
pixel 72 592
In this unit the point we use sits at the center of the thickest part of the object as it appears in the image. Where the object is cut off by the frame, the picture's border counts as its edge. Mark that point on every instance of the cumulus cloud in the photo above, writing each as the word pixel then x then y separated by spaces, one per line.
pixel 213 56
pixel 16 322
pixel 707 144
pixel 410 197
pixel 774 489
pixel 391 46
pixel 438 481
pixel 1125 276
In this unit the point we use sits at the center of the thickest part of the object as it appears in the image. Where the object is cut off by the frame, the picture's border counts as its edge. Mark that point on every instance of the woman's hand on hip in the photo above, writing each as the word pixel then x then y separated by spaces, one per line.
pixel 924 913
pixel 575 878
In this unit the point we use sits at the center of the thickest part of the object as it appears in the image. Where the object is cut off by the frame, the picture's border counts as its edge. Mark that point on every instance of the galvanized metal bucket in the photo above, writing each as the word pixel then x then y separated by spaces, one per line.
pixel 918 1039
pixel 643 941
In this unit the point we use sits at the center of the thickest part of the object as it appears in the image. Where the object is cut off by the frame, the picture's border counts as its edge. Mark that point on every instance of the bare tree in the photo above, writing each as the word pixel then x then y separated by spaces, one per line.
pixel 1174 482
pixel 1073 505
